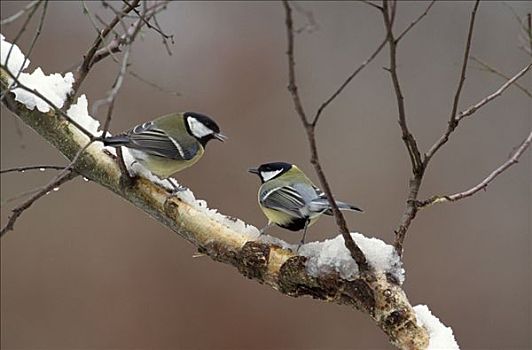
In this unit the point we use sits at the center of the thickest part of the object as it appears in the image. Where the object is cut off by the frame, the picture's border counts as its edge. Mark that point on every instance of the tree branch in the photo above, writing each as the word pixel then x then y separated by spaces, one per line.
pixel 22 169
pixel 472 109
pixel 514 159
pixel 374 293
pixel 346 82
pixel 408 139
pixel 350 244
pixel 416 21
pixel 90 58
pixel 17 212
pixel 14 17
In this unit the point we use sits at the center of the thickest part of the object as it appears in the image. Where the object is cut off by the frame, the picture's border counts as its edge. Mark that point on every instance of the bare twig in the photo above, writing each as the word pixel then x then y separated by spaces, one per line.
pixel 33 41
pixel 388 13
pixel 414 22
pixel 152 84
pixel 16 212
pixel 453 120
pixel 31 167
pixel 472 109
pixel 408 138
pixel 115 44
pixel 419 164
pixel 514 159
pixel 14 17
pixel 495 71
pixel 90 57
pixel 20 32
pixel 66 174
pixel 165 37
pixel 367 2
pixel 112 52
pixel 110 99
pixel 155 27
pixel 350 244
pixel 346 82
pixel 311 25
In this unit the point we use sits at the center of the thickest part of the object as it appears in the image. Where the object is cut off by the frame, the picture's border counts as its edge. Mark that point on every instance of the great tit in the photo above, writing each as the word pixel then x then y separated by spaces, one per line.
pixel 290 200
pixel 169 143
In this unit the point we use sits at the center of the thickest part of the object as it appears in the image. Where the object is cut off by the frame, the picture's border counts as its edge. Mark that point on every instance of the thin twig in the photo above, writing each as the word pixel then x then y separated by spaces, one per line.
pixel 388 12
pixel 16 212
pixel 14 17
pixel 414 22
pixel 114 45
pixel 19 34
pixel 408 138
pixel 66 174
pixel 22 169
pixel 155 27
pixel 165 39
pixel 89 58
pixel 493 70
pixel 514 159
pixel 111 96
pixel 472 109
pixel 350 244
pixel 346 82
pixel 453 120
pixel 33 41
pixel 152 84
pixel 367 2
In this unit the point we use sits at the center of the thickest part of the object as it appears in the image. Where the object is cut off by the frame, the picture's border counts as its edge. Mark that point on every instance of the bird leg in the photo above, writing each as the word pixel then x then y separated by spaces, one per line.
pixel 177 188
pixel 263 230
pixel 126 180
pixel 304 235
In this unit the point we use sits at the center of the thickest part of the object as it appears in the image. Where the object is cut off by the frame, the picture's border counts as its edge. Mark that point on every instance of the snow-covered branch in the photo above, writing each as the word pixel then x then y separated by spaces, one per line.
pixel 323 271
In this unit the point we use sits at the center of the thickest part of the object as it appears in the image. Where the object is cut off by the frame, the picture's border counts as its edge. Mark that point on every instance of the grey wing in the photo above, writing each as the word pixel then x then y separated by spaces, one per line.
pixel 152 140
pixel 286 199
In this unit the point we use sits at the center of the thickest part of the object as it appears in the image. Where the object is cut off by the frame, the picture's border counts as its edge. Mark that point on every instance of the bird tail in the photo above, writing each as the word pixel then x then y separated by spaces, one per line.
pixel 319 204
pixel 115 141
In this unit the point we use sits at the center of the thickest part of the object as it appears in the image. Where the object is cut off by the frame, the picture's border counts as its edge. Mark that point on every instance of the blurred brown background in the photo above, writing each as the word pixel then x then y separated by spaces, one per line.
pixel 84 269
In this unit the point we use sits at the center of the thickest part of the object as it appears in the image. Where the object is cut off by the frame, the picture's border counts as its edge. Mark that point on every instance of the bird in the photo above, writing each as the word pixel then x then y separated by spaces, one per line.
pixel 290 200
pixel 170 143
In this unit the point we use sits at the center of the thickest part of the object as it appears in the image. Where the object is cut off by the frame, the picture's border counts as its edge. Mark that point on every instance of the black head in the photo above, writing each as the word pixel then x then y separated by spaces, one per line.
pixel 270 171
pixel 202 127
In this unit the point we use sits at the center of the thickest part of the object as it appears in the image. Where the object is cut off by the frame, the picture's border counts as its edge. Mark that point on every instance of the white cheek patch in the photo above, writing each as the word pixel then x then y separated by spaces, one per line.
pixel 197 128
pixel 267 175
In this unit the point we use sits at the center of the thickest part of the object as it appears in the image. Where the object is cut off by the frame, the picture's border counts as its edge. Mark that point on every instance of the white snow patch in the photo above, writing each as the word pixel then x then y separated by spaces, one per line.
pixel 331 255
pixel 79 112
pixel 16 57
pixel 274 240
pixel 232 223
pixel 54 87
pixel 441 336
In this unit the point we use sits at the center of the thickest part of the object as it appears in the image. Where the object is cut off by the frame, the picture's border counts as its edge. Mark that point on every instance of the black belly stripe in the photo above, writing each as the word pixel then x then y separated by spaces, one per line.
pixel 295 224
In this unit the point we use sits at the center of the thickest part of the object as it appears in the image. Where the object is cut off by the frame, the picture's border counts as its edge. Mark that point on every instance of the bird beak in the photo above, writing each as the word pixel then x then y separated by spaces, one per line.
pixel 220 137
pixel 253 171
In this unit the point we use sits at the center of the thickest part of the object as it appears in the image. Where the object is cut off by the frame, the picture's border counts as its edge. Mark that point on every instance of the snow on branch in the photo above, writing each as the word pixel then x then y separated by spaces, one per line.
pixel 441 336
